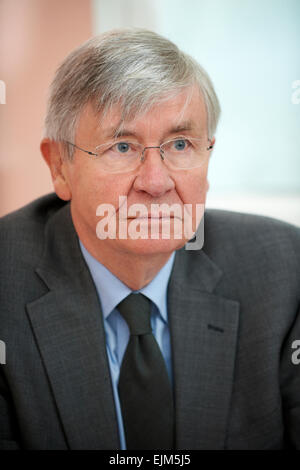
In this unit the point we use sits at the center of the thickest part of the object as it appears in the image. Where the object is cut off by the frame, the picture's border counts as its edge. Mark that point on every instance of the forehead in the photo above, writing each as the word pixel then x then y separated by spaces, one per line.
pixel 184 112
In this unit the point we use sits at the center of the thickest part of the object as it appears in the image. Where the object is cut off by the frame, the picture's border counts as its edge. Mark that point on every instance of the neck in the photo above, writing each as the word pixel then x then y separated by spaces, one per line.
pixel 130 262
pixel 134 270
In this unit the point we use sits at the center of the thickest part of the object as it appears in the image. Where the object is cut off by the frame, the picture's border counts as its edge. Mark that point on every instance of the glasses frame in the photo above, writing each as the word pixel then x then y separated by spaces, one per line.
pixel 142 158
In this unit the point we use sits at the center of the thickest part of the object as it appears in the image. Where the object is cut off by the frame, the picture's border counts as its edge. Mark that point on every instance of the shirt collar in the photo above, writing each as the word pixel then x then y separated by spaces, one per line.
pixel 111 290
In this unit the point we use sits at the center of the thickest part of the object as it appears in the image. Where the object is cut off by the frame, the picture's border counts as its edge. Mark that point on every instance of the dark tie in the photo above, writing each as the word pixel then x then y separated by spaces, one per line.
pixel 144 387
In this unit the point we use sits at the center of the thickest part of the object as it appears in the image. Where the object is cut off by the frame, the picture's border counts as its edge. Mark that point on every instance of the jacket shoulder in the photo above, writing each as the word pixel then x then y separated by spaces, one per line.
pixel 37 211
pixel 249 233
pixel 260 264
pixel 22 231
pixel 253 249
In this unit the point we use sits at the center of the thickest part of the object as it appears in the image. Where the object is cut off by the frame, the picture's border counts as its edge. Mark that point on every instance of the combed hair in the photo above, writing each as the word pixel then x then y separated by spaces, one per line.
pixel 135 68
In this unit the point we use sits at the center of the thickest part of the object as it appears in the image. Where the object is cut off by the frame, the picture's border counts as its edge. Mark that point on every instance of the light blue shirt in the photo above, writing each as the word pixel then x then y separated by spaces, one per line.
pixel 111 292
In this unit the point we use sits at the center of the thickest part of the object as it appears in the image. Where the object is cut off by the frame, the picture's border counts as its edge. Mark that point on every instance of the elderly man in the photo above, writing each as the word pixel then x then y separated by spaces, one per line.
pixel 118 333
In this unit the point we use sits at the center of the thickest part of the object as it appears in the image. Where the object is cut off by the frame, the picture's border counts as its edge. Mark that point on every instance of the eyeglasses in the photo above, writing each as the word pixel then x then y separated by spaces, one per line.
pixel 124 156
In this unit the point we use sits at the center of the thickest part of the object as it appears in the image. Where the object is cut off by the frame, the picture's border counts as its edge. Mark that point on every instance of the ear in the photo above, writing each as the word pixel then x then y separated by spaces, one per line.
pixel 53 156
pixel 213 140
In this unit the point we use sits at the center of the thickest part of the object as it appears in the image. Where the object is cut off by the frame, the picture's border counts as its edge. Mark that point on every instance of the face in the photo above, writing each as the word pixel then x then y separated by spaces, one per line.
pixel 152 182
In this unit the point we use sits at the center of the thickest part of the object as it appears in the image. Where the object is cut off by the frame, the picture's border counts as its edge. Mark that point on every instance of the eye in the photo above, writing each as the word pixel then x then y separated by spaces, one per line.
pixel 122 147
pixel 180 144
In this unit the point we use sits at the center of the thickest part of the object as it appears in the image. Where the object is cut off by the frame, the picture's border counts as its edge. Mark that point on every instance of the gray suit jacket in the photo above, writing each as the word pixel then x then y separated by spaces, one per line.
pixel 233 311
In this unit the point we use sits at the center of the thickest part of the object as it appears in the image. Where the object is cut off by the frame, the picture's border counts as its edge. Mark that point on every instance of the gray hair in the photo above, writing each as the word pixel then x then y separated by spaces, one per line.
pixel 132 67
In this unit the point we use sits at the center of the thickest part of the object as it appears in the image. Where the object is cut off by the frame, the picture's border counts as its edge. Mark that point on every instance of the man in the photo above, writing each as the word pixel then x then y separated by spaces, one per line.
pixel 117 339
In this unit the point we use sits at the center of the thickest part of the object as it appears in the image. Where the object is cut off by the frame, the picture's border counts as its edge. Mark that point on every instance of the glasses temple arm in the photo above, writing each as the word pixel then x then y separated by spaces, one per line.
pixel 79 148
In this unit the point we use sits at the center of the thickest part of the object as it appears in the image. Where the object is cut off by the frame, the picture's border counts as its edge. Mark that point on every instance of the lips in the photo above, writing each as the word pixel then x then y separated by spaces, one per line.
pixel 154 217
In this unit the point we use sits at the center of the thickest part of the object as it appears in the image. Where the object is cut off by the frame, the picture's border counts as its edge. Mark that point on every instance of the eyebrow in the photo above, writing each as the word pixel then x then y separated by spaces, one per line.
pixel 116 132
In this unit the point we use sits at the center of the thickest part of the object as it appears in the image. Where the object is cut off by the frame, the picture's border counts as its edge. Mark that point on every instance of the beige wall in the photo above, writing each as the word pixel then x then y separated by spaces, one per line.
pixel 35 35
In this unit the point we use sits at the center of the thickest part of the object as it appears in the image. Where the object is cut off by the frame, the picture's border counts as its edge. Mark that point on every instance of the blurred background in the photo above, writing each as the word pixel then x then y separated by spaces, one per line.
pixel 250 48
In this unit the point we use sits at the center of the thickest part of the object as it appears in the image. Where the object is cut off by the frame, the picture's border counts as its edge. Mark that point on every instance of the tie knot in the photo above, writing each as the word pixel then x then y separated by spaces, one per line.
pixel 136 309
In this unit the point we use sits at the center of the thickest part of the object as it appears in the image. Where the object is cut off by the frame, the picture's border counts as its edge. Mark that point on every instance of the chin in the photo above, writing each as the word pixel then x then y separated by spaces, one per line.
pixel 150 246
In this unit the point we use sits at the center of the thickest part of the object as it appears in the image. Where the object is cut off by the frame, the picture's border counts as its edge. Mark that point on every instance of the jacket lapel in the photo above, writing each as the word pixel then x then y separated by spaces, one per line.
pixel 68 327
pixel 203 337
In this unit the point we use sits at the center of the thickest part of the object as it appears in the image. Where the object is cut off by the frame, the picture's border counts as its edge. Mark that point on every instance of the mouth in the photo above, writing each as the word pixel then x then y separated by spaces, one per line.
pixel 155 217
pixel 152 217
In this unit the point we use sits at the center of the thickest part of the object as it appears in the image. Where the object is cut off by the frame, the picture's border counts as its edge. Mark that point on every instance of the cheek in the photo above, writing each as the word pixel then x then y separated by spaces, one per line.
pixel 193 187
pixel 91 188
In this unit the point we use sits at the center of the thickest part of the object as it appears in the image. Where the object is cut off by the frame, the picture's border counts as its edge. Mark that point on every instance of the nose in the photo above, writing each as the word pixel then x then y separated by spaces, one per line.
pixel 153 175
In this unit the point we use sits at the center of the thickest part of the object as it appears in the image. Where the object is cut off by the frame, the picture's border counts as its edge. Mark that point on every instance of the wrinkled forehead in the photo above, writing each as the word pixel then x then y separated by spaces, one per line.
pixel 182 112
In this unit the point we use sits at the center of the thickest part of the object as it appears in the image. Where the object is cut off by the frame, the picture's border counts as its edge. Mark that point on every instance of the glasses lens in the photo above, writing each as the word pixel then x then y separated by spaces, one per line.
pixel 185 153
pixel 119 157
